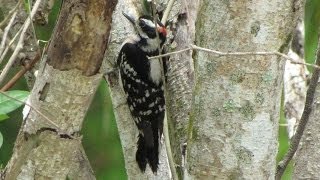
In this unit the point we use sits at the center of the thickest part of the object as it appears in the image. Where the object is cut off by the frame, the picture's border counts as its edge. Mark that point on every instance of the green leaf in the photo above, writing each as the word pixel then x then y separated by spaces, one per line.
pixel 27 6
pixel 312 24
pixel 3 117
pixel 44 32
pixel 1 139
pixel 10 104
pixel 147 9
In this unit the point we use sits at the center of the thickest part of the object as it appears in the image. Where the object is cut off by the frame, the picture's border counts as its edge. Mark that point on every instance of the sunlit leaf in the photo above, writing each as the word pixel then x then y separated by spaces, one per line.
pixel 3 117
pixel 10 104
pixel 312 24
pixel 1 139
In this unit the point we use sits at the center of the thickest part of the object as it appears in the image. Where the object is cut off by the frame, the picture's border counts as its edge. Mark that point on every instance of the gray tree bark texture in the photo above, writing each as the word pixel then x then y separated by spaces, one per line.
pixel 236 99
pixel 307 156
pixel 128 132
pixel 48 145
pixel 180 79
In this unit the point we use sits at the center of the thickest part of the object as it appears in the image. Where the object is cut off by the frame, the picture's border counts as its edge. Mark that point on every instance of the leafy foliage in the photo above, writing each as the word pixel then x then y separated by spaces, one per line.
pixel 146 7
pixel 312 24
pixel 3 117
pixel 1 139
pixel 11 103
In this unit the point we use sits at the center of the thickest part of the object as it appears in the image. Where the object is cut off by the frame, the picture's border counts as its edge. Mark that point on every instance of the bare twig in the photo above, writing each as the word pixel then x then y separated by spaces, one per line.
pixel 253 53
pixel 20 42
pixel 155 19
pixel 5 34
pixel 219 53
pixel 2 23
pixel 2 56
pixel 168 148
pixel 304 118
pixel 32 26
pixel 165 123
pixel 24 69
pixel 170 53
pixel 167 11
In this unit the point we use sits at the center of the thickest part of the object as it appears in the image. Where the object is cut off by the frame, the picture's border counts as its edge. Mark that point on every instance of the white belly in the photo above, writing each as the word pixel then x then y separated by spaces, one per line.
pixel 155 71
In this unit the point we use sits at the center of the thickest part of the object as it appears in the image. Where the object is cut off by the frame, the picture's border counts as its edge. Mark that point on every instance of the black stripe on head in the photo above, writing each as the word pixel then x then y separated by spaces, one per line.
pixel 147 26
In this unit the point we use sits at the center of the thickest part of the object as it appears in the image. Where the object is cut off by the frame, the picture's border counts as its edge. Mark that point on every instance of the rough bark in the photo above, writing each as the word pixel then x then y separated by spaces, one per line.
pixel 180 79
pixel 64 88
pixel 128 131
pixel 307 156
pixel 236 100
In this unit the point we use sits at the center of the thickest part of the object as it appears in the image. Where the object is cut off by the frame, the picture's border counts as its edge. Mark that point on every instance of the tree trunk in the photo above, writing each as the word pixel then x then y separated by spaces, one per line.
pixel 236 100
pixel 128 132
pixel 180 80
pixel 49 143
pixel 307 156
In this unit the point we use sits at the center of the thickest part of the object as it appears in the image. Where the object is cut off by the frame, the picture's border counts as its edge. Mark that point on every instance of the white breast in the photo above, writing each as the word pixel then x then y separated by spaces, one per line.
pixel 152 45
pixel 155 71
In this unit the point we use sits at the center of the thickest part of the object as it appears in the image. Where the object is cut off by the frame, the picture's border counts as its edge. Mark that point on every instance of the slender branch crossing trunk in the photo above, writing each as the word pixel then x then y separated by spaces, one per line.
pixel 236 100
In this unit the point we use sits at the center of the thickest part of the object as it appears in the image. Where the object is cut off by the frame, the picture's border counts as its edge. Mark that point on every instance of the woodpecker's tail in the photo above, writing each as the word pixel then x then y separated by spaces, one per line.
pixel 148 149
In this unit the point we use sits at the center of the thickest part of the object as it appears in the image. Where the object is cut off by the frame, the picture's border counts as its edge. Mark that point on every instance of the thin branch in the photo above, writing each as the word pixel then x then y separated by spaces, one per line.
pixel 165 126
pixel 304 119
pixel 5 34
pixel 170 53
pixel 155 19
pixel 32 26
pixel 2 56
pixel 2 23
pixel 24 69
pixel 167 11
pixel 220 53
pixel 20 42
pixel 168 148
pixel 253 53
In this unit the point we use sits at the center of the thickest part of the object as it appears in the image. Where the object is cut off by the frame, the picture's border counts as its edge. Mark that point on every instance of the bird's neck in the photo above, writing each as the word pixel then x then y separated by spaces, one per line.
pixel 149 46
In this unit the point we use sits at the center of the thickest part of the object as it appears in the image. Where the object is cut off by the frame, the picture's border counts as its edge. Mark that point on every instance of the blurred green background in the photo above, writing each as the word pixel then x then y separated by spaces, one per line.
pixel 100 136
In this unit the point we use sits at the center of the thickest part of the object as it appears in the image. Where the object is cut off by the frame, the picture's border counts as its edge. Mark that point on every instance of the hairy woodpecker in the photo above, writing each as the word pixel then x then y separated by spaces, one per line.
pixel 141 80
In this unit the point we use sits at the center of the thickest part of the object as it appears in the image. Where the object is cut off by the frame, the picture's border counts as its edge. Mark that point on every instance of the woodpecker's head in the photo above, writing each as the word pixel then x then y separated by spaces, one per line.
pixel 146 30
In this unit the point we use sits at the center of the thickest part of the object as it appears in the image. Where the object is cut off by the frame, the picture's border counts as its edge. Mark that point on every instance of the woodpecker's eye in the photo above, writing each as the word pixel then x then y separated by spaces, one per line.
pixel 146 23
pixel 142 24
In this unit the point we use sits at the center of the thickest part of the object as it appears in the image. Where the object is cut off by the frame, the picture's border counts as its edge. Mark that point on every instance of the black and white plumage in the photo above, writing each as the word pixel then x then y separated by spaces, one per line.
pixel 141 80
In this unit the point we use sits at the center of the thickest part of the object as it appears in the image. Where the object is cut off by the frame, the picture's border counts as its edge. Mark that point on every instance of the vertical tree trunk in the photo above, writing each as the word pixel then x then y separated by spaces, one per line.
pixel 49 144
pixel 180 80
pixel 308 156
pixel 128 132
pixel 236 101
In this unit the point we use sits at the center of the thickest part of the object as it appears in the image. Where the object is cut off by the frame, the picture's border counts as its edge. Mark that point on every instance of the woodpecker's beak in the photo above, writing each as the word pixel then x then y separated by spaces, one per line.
pixel 162 30
pixel 130 18
pixel 160 23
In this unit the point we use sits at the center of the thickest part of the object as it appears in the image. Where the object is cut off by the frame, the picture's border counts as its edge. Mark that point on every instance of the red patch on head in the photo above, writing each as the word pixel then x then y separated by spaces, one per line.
pixel 162 30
